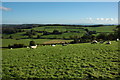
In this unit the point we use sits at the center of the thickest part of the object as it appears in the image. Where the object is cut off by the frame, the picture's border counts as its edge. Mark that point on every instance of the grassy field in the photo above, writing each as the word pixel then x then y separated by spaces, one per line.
pixel 6 42
pixel 83 61
pixel 102 28
pixel 108 29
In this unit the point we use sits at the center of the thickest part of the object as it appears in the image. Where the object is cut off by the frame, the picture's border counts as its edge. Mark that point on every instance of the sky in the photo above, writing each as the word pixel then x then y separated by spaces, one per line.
pixel 60 0
pixel 59 12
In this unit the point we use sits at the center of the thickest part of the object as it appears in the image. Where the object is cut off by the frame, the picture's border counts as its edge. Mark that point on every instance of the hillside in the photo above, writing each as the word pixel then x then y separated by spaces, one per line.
pixel 84 61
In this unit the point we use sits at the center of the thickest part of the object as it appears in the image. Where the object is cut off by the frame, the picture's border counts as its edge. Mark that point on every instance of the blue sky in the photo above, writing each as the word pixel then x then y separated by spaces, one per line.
pixel 60 12
pixel 60 0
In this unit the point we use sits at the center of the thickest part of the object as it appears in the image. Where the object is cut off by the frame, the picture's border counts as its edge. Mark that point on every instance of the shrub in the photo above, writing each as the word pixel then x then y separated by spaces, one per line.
pixel 32 43
pixel 16 46
pixel 102 36
pixel 38 36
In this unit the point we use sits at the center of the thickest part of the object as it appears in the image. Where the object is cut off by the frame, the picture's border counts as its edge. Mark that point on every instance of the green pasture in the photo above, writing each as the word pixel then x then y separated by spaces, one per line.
pixel 64 35
pixel 102 28
pixel 6 42
pixel 85 60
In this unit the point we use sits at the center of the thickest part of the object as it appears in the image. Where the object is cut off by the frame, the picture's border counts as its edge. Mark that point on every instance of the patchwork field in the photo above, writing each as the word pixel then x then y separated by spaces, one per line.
pixel 77 60
pixel 85 60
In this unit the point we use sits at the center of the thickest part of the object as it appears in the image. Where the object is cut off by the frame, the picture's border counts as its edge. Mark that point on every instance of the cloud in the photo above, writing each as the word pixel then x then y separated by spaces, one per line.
pixel 4 8
pixel 105 19
pixel 89 18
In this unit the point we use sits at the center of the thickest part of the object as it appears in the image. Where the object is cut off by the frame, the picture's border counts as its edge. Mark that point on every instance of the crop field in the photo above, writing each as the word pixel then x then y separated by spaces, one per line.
pixel 82 61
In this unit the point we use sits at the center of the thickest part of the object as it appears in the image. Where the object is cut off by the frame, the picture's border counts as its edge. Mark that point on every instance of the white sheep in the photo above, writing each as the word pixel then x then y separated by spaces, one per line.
pixel 94 42
pixel 53 45
pixel 108 42
pixel 117 39
pixel 34 47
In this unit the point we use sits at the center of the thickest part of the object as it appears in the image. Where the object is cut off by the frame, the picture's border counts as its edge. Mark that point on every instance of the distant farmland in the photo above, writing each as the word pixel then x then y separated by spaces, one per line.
pixel 77 59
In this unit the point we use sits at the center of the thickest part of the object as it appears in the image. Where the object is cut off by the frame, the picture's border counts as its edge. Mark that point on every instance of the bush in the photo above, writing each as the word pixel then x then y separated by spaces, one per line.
pixel 32 43
pixel 38 36
pixel 102 36
pixel 16 46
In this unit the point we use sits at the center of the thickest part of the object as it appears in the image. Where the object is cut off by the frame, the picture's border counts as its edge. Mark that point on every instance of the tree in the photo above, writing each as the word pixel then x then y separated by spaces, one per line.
pixel 117 32
pixel 32 43
pixel 76 39
pixel 56 32
pixel 38 36
pixel 10 37
pixel 111 36
pixel 102 36
pixel 30 36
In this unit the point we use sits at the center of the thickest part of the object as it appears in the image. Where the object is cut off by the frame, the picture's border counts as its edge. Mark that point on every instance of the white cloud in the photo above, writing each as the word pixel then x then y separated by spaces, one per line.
pixel 101 18
pixel 111 19
pixel 97 18
pixel 105 19
pixel 4 8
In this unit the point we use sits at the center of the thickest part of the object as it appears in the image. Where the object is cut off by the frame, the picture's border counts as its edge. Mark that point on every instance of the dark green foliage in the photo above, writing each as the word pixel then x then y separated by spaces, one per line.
pixel 86 37
pixel 76 39
pixel 16 46
pixel 32 32
pixel 117 32
pixel 111 36
pixel 32 43
pixel 102 36
pixel 56 32
pixel 64 37
pixel 38 36
pixel 46 33
pixel 9 30
pixel 30 36
pixel 10 37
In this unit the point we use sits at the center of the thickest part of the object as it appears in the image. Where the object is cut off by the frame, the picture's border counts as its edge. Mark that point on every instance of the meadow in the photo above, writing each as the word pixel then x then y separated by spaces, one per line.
pixel 92 61
pixel 82 60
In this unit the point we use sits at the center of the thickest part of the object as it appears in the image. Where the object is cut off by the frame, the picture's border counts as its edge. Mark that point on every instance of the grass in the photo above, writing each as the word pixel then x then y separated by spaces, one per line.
pixel 66 35
pixel 73 61
pixel 84 60
pixel 108 29
pixel 102 29
pixel 6 42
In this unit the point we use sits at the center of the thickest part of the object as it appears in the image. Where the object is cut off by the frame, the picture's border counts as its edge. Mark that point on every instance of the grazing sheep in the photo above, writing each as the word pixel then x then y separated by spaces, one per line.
pixel 53 45
pixel 108 42
pixel 11 48
pixel 27 47
pixel 102 42
pixel 117 39
pixel 64 44
pixel 94 42
pixel 33 47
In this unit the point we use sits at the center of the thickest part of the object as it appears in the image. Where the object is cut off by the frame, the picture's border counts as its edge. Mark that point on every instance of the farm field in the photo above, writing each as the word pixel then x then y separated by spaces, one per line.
pixel 6 42
pixel 102 28
pixel 62 40
pixel 84 61
pixel 80 60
